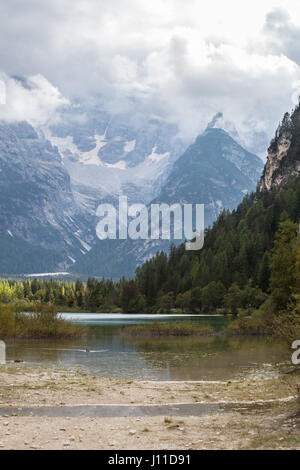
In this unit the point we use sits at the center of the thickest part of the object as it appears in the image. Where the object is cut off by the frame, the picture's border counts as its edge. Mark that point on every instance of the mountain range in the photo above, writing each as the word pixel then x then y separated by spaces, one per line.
pixel 53 178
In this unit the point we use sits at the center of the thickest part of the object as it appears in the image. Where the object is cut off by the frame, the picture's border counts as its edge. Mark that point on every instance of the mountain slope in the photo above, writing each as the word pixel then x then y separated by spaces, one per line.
pixel 215 171
pixel 17 256
pixel 36 202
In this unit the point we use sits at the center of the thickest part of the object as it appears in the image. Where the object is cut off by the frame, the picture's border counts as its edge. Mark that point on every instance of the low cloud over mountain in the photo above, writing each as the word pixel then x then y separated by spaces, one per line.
pixel 157 58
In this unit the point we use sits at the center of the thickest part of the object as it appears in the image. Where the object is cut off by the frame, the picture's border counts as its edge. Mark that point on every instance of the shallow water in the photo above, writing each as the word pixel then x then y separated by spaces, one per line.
pixel 184 358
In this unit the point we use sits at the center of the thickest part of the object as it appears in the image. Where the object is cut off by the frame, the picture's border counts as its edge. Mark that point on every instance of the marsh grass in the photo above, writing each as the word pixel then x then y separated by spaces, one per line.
pixel 185 328
pixel 255 324
pixel 43 322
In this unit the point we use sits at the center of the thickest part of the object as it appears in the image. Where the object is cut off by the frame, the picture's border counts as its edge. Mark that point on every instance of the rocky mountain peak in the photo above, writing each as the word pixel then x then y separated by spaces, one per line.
pixel 283 161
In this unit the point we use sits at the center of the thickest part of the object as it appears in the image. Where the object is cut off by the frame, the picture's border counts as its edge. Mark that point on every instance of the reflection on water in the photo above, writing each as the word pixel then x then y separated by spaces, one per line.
pixel 107 353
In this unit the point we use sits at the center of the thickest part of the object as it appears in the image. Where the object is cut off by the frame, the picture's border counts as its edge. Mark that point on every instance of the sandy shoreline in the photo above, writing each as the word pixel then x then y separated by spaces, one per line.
pixel 245 424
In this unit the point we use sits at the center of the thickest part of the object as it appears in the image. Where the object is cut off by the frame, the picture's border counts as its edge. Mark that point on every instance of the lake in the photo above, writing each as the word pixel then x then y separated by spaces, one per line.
pixel 185 358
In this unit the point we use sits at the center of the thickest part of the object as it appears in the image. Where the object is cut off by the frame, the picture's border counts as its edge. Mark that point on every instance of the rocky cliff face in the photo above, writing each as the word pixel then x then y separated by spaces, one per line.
pixel 283 160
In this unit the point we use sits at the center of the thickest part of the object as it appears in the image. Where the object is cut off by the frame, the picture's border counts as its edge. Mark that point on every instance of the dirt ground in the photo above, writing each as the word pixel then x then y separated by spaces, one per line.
pixel 246 426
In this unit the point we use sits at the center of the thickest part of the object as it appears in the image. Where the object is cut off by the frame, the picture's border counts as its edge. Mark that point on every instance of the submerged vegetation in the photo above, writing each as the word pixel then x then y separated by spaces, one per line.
pixel 186 328
pixel 43 322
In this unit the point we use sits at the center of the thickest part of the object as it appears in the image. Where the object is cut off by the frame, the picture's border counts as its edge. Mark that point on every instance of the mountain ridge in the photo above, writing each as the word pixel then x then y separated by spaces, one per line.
pixel 48 202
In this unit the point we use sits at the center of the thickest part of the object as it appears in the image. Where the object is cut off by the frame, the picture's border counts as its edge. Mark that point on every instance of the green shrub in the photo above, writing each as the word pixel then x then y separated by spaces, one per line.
pixel 42 322
pixel 254 324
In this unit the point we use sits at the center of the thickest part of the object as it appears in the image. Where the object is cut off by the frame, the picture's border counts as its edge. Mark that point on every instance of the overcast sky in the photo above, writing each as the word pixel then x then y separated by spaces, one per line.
pixel 181 60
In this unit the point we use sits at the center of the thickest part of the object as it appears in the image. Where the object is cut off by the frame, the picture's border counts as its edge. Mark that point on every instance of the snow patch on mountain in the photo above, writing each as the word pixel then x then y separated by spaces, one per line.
pixel 157 157
pixel 111 179
pixel 121 165
pixel 64 144
pixel 129 146
pixel 92 157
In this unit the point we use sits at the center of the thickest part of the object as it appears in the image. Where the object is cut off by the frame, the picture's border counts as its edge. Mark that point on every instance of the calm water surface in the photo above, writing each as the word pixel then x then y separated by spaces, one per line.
pixel 185 358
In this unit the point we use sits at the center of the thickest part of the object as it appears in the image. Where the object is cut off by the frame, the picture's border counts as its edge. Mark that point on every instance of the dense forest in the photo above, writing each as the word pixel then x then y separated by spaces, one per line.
pixel 92 296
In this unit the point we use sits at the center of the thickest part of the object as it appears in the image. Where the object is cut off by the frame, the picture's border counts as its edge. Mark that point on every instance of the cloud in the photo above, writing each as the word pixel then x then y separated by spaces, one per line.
pixel 252 90
pixel 282 35
pixel 33 99
pixel 181 61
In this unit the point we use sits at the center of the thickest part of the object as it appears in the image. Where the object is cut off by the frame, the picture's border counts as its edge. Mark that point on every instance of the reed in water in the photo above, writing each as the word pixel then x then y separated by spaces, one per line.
pixel 43 322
